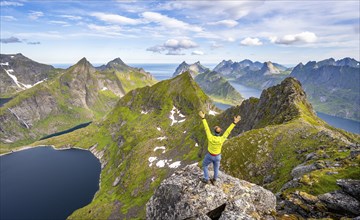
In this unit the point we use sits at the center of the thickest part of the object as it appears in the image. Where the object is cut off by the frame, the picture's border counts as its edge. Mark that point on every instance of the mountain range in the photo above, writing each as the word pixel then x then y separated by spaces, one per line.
pixel 280 144
pixel 76 95
pixel 332 86
pixel 212 83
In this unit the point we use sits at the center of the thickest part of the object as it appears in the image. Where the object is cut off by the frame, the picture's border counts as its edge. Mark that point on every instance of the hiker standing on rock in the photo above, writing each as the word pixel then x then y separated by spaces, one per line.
pixel 215 143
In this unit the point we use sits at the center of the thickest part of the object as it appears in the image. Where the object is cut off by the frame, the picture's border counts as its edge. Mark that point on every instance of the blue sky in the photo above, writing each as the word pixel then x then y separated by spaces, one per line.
pixel 286 32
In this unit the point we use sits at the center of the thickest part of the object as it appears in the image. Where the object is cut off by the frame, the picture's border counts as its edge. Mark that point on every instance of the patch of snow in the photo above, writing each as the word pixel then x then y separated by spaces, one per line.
pixel 144 112
pixel 19 84
pixel 13 77
pixel 12 57
pixel 172 116
pixel 104 88
pixel 161 163
pixel 4 64
pixel 211 112
pixel 39 82
pixel 175 164
pixel 196 145
pixel 160 148
pixel 151 160
pixel 161 138
pixel 158 128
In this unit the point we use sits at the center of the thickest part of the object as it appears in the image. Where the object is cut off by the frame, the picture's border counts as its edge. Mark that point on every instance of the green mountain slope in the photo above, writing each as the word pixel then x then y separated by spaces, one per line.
pixel 218 88
pixel 78 95
pixel 150 132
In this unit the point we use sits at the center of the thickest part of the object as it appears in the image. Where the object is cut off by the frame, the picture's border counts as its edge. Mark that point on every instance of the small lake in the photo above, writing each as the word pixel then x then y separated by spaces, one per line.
pixel 43 183
pixel 3 101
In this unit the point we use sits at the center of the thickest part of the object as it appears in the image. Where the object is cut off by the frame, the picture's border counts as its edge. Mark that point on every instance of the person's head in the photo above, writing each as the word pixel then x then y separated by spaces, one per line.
pixel 217 130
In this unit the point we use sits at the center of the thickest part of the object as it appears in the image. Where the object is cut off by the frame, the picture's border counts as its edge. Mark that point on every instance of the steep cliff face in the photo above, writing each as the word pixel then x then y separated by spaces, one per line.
pixel 182 196
pixel 78 95
pixel 18 73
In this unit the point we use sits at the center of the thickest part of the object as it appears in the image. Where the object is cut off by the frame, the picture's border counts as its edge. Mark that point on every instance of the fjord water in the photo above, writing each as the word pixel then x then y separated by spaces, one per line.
pixel 43 183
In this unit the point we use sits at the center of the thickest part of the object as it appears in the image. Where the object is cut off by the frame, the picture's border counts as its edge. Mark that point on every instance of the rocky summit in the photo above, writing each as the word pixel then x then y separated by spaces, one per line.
pixel 184 196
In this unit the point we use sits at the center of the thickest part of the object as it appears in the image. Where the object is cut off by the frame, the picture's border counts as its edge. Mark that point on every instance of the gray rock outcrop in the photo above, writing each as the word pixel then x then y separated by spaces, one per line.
pixel 184 196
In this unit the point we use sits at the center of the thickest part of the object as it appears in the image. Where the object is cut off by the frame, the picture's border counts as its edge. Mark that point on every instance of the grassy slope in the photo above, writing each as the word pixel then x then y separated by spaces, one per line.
pixel 128 139
pixel 218 88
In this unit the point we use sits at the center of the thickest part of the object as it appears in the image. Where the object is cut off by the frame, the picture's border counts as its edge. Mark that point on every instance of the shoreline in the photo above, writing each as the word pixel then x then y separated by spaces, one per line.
pixel 52 146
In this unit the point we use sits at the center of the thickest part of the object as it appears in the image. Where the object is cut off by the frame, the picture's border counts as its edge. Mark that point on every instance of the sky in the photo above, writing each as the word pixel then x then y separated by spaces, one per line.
pixel 285 32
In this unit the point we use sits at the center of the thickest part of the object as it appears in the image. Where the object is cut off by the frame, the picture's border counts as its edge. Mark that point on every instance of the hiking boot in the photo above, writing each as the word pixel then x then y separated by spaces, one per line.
pixel 213 181
pixel 204 180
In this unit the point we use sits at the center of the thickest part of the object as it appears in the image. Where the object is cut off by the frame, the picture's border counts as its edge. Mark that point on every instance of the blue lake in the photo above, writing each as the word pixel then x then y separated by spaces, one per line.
pixel 43 183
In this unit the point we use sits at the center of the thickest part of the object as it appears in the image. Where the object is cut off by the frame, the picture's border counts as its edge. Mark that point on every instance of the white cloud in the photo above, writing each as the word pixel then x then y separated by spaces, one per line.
pixel 226 23
pixel 197 52
pixel 64 23
pixel 8 18
pixel 251 42
pixel 71 17
pixel 215 45
pixel 111 30
pixel 10 3
pixel 114 18
pixel 168 22
pixel 34 15
pixel 216 9
pixel 303 37
pixel 173 46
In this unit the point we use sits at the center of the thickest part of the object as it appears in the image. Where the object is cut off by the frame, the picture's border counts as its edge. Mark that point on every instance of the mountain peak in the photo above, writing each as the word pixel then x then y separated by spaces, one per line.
pixel 278 104
pixel 82 66
pixel 194 69
pixel 269 69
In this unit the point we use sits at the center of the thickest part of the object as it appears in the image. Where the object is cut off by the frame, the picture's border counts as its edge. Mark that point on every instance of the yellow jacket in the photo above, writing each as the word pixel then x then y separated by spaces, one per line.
pixel 215 142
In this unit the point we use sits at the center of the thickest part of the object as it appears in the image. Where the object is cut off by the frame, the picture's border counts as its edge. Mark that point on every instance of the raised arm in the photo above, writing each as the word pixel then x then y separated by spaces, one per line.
pixel 229 129
pixel 206 126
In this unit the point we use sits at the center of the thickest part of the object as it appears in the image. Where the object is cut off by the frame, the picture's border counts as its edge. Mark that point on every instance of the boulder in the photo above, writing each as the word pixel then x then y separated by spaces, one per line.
pixel 302 169
pixel 184 196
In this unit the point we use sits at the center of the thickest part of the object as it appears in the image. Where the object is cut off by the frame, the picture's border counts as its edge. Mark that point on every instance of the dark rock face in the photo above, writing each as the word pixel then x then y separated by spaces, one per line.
pixel 351 187
pixel 27 72
pixel 184 196
pixel 277 105
pixel 341 203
